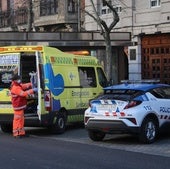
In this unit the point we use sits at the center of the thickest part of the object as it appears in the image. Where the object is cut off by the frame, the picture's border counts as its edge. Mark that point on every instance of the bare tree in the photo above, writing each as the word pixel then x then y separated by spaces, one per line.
pixel 105 32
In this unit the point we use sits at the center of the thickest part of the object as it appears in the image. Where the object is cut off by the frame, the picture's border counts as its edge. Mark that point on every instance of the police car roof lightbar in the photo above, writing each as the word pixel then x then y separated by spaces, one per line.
pixel 151 81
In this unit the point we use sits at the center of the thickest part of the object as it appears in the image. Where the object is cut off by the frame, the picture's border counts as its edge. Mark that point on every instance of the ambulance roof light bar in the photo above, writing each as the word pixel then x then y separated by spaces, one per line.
pixel 21 48
pixel 82 52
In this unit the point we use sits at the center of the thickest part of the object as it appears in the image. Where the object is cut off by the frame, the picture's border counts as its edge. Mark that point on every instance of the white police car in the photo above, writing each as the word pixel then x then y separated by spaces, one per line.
pixel 140 109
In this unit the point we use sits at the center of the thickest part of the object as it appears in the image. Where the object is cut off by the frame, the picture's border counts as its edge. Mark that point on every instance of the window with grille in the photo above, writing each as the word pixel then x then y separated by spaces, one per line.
pixel 48 7
pixel 106 10
pixel 132 54
pixel 72 6
pixel 155 3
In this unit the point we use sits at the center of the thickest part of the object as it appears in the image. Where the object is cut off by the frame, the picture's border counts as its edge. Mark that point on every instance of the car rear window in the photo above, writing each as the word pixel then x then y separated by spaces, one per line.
pixel 121 94
pixel 162 92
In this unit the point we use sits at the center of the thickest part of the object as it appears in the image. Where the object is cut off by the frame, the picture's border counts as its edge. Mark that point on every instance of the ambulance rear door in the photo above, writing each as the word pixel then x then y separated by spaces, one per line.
pixel 9 65
pixel 40 84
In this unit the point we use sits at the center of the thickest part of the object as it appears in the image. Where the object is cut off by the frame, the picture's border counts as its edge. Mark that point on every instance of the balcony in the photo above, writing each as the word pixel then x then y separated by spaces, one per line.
pixel 12 18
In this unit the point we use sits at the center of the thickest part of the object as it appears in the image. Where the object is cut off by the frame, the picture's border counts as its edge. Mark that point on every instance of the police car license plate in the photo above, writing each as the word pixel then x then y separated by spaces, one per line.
pixel 107 107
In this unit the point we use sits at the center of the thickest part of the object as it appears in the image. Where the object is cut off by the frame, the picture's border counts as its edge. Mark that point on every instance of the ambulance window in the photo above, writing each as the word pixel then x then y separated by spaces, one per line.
pixel 9 65
pixel 5 79
pixel 102 78
pixel 87 77
pixel 27 59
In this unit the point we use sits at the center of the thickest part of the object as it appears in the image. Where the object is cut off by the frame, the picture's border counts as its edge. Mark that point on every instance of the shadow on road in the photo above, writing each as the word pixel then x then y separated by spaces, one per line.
pixel 122 139
pixel 43 131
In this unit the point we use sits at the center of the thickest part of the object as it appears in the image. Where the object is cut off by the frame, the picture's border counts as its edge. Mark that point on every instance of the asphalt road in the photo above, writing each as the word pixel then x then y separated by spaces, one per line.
pixel 73 150
pixel 49 153
pixel 78 134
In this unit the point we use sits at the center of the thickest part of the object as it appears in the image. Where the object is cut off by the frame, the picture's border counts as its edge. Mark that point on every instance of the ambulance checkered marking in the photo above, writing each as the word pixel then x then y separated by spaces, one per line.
pixel 69 61
pixel 64 60
pixel 86 62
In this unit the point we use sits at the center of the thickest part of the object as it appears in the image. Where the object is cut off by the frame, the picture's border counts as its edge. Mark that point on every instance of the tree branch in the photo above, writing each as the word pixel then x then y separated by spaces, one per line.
pixel 115 15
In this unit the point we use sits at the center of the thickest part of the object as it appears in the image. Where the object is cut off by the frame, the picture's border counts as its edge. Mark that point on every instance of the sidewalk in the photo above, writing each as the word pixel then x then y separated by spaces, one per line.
pixel 118 141
pixel 122 142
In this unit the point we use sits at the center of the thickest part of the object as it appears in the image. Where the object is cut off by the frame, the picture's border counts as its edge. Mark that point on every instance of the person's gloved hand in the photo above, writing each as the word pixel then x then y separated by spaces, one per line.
pixel 35 90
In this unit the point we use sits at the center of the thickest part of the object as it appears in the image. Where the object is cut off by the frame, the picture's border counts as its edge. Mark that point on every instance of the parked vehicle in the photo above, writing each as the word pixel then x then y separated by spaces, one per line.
pixel 140 109
pixel 65 83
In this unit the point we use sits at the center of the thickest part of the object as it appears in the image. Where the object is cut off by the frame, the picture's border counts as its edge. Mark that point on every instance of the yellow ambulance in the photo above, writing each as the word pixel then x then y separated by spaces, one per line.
pixel 65 82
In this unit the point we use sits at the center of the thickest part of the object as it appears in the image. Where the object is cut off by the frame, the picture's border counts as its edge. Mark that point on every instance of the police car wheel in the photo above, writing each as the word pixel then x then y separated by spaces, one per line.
pixel 6 128
pixel 149 131
pixel 96 135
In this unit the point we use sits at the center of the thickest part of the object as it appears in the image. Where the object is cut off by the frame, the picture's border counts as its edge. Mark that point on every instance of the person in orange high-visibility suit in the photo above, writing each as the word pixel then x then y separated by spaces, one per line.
pixel 19 94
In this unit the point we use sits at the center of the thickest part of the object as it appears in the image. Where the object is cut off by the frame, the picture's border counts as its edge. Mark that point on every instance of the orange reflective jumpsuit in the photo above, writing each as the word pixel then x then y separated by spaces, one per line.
pixel 19 93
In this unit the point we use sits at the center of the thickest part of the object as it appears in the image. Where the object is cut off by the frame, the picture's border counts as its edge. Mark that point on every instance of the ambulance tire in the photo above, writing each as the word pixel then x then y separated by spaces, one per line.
pixel 60 124
pixel 6 128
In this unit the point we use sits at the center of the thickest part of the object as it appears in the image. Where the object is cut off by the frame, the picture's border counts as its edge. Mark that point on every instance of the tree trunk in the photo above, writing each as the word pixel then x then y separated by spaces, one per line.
pixel 109 60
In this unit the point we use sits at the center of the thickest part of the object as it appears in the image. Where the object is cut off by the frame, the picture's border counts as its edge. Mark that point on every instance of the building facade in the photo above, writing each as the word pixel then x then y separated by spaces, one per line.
pixel 56 15
pixel 13 15
pixel 61 16
pixel 42 15
pixel 149 24
pixel 147 20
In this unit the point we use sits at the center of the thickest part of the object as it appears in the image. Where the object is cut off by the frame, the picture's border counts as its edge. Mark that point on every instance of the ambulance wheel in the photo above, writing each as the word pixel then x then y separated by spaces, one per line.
pixel 6 128
pixel 60 123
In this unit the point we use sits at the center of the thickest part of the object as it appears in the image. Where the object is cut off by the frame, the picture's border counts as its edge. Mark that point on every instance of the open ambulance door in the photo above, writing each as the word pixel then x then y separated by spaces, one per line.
pixel 38 67
pixel 9 65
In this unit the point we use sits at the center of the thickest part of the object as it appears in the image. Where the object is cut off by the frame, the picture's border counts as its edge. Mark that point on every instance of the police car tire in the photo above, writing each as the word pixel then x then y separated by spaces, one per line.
pixel 149 131
pixel 96 135
pixel 6 128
